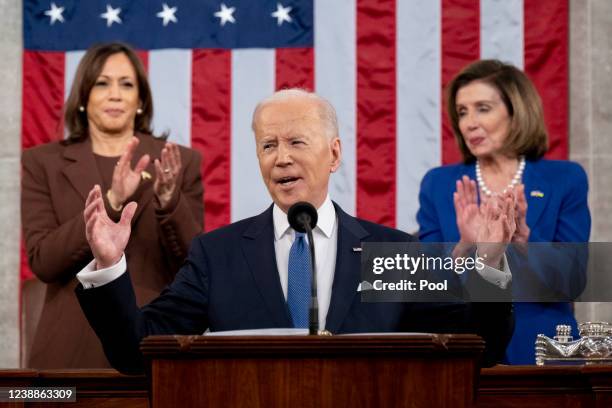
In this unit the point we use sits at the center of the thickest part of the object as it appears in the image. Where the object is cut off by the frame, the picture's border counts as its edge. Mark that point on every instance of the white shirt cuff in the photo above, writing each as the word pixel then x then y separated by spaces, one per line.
pixel 500 278
pixel 92 278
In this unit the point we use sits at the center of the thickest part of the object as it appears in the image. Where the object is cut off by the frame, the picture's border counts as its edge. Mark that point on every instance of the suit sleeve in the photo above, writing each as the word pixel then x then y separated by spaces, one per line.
pixel 180 223
pixel 56 252
pixel 557 272
pixel 427 218
pixel 182 308
pixel 574 223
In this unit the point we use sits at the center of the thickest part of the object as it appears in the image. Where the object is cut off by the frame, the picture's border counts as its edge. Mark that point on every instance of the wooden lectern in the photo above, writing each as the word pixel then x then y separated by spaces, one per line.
pixel 424 370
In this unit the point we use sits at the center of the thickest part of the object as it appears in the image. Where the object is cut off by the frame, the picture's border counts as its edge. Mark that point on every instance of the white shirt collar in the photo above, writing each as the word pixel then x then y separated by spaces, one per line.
pixel 326 219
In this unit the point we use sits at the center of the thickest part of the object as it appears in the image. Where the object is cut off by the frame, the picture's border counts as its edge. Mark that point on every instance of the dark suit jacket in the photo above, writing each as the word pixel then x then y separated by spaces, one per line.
pixel 230 281
pixel 557 211
pixel 56 180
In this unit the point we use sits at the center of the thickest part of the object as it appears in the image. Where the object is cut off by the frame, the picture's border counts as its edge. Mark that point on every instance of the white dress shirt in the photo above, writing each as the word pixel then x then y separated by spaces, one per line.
pixel 498 277
pixel 92 278
pixel 325 237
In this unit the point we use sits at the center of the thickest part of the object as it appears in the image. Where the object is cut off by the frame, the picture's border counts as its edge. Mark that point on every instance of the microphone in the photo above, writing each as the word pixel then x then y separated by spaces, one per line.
pixel 302 217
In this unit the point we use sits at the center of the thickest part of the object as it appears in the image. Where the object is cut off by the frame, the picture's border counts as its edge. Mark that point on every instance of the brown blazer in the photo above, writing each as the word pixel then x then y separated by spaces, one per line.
pixel 55 182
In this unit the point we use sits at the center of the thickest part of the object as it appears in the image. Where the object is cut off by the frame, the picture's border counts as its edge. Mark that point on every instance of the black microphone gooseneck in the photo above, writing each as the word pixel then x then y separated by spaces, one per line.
pixel 303 217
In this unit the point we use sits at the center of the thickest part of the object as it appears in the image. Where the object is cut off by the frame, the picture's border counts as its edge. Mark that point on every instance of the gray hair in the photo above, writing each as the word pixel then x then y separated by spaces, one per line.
pixel 327 112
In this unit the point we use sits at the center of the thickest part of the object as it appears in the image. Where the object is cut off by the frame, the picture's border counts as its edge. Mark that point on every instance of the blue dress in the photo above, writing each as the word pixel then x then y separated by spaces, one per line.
pixel 557 211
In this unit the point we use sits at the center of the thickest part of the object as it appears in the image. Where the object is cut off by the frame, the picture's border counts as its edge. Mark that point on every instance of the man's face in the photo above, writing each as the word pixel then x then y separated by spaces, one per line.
pixel 295 154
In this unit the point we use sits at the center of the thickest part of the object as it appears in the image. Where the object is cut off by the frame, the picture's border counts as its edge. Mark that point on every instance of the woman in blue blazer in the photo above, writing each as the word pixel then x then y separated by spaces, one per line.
pixel 497 119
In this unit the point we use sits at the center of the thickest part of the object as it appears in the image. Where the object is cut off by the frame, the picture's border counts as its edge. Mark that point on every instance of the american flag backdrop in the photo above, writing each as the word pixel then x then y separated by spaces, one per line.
pixel 382 63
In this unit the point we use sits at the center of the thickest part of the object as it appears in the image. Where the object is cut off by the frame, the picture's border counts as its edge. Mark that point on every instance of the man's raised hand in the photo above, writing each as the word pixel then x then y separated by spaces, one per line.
pixel 106 238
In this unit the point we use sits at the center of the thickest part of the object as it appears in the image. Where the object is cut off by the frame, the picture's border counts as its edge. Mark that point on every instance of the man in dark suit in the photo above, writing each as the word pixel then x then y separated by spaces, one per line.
pixel 241 276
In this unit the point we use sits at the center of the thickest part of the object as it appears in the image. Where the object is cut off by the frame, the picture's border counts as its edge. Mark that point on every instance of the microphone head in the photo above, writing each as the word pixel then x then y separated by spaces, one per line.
pixel 301 214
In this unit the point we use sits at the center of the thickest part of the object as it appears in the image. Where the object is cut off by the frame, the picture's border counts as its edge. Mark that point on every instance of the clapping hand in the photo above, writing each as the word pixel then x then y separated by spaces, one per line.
pixel 491 224
pixel 166 174
pixel 106 238
pixel 521 236
pixel 467 214
pixel 497 228
pixel 125 179
pixel 467 210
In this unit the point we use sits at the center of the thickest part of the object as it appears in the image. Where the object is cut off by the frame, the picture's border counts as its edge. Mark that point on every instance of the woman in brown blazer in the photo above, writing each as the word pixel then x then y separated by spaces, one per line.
pixel 108 119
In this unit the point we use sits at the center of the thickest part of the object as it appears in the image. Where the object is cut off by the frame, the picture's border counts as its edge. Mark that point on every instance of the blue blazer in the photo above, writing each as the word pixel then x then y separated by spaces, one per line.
pixel 557 211
pixel 230 281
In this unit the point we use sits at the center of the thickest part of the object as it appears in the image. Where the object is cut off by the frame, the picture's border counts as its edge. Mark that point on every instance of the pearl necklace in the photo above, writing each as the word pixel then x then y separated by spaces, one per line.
pixel 515 180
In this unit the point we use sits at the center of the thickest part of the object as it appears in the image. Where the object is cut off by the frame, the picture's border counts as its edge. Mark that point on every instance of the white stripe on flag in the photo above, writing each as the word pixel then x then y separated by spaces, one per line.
pixel 418 102
pixel 501 30
pixel 252 80
pixel 335 80
pixel 170 81
pixel 70 66
pixel 71 63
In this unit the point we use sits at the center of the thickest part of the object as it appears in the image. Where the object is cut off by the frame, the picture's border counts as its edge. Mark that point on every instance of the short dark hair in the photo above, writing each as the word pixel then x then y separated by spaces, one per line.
pixel 85 78
pixel 528 136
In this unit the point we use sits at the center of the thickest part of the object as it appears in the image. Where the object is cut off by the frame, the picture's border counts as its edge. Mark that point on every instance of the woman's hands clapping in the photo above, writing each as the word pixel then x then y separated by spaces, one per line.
pixel 521 235
pixel 490 225
pixel 167 171
pixel 125 179
pixel 467 210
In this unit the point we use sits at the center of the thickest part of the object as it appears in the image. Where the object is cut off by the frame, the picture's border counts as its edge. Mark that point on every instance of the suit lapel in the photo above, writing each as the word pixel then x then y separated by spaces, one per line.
pixel 348 269
pixel 81 171
pixel 258 248
pixel 537 193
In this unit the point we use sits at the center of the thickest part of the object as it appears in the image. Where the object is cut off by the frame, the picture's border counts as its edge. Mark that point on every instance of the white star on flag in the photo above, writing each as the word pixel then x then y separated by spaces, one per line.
pixel 111 15
pixel 55 14
pixel 281 14
pixel 167 14
pixel 226 14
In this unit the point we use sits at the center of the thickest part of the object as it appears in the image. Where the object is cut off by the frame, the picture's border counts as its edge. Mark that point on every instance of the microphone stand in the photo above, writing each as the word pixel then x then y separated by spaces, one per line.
pixel 313 310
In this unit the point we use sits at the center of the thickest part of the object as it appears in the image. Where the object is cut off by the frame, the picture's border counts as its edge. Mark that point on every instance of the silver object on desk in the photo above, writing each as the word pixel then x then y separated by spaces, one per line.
pixel 593 347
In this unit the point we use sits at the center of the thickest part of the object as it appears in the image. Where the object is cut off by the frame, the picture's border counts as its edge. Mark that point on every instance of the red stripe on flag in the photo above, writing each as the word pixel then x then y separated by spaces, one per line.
pixel 295 68
pixel 211 130
pixel 42 103
pixel 144 57
pixel 376 110
pixel 460 46
pixel 43 97
pixel 546 60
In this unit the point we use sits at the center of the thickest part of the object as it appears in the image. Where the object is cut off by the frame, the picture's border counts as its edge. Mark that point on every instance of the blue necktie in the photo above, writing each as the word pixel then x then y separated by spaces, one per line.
pixel 298 292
